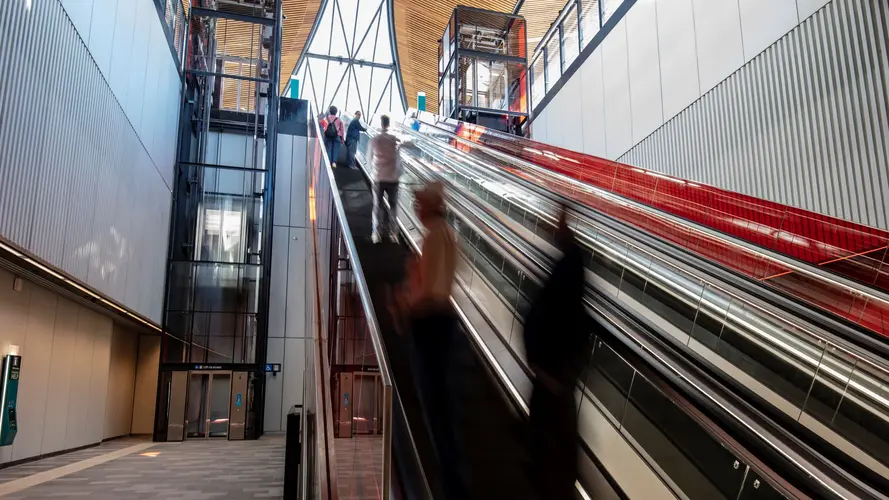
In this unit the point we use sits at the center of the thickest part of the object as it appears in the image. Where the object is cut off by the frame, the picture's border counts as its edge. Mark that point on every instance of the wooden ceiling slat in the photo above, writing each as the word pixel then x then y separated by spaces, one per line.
pixel 418 26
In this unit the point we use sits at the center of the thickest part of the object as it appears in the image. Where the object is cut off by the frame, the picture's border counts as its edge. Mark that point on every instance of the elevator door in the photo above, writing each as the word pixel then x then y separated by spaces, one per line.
pixel 209 395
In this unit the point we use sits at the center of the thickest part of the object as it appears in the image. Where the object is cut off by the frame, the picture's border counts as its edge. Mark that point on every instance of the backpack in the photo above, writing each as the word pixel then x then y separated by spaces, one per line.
pixel 330 130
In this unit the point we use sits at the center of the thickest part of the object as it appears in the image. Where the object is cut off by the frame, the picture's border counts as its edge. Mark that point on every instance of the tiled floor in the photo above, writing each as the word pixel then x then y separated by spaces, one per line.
pixel 193 470
pixel 31 468
pixel 359 467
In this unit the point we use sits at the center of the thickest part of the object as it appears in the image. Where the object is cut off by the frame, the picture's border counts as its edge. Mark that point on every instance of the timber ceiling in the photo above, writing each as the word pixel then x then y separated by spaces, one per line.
pixel 539 16
pixel 418 26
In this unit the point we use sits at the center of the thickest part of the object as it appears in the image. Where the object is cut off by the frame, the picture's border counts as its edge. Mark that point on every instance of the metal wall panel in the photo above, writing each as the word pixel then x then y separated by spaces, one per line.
pixel 805 123
pixel 79 187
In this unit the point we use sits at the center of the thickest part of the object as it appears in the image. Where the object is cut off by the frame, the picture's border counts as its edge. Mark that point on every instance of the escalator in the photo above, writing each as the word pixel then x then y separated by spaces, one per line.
pixel 650 423
pixel 829 392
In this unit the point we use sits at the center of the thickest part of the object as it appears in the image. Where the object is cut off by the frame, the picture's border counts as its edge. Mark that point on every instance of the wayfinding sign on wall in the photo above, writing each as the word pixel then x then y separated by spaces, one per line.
pixel 9 390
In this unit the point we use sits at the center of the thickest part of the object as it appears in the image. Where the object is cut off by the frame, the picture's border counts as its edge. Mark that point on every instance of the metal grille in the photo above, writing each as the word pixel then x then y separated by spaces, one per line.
pixel 805 123
pixel 79 187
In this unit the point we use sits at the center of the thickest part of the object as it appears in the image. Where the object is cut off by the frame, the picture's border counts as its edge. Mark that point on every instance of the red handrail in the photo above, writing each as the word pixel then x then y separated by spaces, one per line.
pixel 842 247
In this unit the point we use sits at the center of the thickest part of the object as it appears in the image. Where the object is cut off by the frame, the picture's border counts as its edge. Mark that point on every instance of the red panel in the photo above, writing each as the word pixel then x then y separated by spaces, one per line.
pixel 845 248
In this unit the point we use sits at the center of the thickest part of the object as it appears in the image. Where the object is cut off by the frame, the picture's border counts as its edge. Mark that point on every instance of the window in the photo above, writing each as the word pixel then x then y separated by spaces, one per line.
pixel 608 9
pixel 589 20
pixel 570 45
pixel 553 62
pixel 538 80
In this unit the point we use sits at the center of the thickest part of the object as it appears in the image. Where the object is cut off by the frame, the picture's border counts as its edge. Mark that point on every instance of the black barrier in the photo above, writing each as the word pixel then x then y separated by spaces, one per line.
pixel 292 455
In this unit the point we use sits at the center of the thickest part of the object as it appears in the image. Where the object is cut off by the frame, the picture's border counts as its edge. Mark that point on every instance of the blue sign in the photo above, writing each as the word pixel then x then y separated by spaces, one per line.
pixel 346 399
pixel 238 400
pixel 273 367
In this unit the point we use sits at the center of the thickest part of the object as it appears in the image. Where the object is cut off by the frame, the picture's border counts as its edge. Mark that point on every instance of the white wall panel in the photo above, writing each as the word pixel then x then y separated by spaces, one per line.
pixel 572 127
pixel 296 280
pixel 63 178
pixel 720 46
pixel 299 190
pixel 145 392
pixel 678 55
pixel 99 373
pixel 292 386
pixel 618 109
pixel 121 383
pixel 763 22
pixel 644 68
pixel 557 120
pixel 538 128
pixel 102 33
pixel 124 25
pixel 592 105
pixel 79 399
pixel 278 291
pixel 145 18
pixel 801 124
pixel 66 363
pixel 806 8
pixel 81 13
pixel 61 374
pixel 33 389
pixel 274 420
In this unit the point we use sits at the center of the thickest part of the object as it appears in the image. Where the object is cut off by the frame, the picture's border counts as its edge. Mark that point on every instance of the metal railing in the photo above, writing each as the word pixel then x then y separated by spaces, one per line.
pixel 638 278
pixel 325 203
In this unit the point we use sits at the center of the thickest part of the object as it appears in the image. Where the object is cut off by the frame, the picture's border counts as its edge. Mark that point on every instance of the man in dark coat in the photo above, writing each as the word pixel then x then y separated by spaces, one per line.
pixel 557 342
pixel 353 135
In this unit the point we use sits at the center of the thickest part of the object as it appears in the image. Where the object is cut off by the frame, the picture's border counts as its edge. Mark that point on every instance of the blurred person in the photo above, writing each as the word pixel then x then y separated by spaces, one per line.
pixel 353 135
pixel 384 151
pixel 333 131
pixel 415 123
pixel 433 326
pixel 557 342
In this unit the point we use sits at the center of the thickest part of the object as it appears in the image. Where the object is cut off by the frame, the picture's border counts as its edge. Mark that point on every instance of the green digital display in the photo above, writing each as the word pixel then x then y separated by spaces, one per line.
pixel 9 390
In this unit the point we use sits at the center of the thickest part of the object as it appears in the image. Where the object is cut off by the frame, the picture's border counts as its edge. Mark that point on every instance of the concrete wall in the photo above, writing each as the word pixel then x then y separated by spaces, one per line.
pixel 89 94
pixel 78 368
pixel 288 304
pixel 779 99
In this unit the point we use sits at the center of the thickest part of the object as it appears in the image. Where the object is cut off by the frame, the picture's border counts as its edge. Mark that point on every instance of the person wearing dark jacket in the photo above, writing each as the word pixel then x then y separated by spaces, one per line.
pixel 557 343
pixel 353 134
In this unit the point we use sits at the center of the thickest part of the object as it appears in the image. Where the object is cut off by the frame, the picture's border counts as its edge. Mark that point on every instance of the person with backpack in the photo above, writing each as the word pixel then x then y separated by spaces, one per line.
pixel 386 173
pixel 353 135
pixel 333 131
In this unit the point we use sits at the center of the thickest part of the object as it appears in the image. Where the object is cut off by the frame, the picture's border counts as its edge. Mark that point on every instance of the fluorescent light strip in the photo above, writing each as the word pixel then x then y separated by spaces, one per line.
pixel 45 269
pixel 10 250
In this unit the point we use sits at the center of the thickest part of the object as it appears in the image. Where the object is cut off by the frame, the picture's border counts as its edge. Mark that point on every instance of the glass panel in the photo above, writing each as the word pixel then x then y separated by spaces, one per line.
pixel 756 488
pixel 764 357
pixel 195 413
pixel 538 80
pixel 589 20
pixel 553 62
pixel 466 83
pixel 699 465
pixel 608 9
pixel 861 414
pixel 220 404
pixel 609 379
pixel 570 43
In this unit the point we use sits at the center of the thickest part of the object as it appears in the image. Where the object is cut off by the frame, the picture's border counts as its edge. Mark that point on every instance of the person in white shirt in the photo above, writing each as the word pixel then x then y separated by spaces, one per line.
pixel 384 151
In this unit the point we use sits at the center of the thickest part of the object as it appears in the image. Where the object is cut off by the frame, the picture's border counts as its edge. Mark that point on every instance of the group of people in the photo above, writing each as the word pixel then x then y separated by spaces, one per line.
pixel 556 334
pixel 336 134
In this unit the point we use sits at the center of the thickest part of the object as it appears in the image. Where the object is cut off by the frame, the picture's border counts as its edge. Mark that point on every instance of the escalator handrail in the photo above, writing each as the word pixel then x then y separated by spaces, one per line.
pixel 523 259
pixel 373 326
pixel 794 264
pixel 851 346
pixel 676 373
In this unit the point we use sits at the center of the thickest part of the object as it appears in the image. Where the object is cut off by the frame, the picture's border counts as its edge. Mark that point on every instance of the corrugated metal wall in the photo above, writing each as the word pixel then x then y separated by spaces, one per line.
pixel 806 123
pixel 78 188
